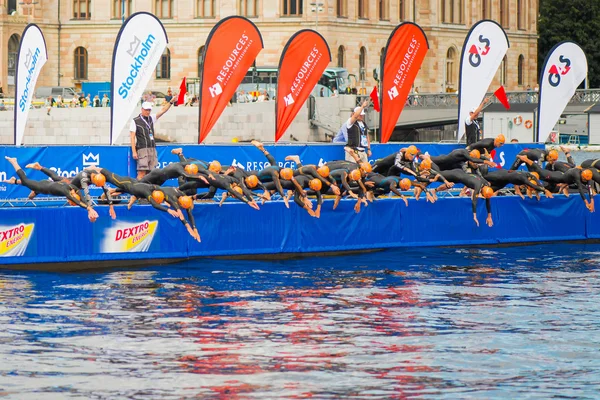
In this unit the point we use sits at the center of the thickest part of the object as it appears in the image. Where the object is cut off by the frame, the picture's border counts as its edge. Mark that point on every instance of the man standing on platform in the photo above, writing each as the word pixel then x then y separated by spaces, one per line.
pixel 472 128
pixel 141 132
pixel 358 144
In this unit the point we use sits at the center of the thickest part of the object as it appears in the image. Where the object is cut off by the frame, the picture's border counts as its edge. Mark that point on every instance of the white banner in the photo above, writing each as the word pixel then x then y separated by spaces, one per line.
pixel 31 58
pixel 138 48
pixel 483 51
pixel 564 70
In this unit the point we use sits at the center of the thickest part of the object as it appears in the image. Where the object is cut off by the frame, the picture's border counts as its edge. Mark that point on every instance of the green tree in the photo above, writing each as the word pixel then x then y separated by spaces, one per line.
pixel 573 20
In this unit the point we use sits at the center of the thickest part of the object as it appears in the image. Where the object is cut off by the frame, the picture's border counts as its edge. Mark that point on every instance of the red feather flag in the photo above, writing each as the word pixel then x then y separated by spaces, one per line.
pixel 500 94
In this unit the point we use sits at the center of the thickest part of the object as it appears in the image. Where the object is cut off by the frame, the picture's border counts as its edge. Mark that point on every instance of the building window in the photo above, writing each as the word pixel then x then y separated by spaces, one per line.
pixel 342 8
pixel 206 8
pixel 13 50
pixel 450 69
pixel 520 70
pixel 163 8
pixel 503 14
pixel 117 10
pixel 363 9
pixel 452 11
pixel 200 54
pixel 341 57
pixel 503 71
pixel 401 12
pixel 11 6
pixel 248 8
pixel 362 63
pixel 81 64
pixel 485 9
pixel 384 10
pixel 81 9
pixel 163 69
pixel 520 14
pixel 292 7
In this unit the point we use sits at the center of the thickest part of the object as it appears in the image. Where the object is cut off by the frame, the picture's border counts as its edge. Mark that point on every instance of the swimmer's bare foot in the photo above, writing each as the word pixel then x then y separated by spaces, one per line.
pixel 258 145
pixel 177 151
pixel 35 165
pixel 32 195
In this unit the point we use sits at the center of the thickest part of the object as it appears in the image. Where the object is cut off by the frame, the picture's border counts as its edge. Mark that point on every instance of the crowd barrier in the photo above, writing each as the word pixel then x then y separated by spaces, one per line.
pixel 64 234
pixel 68 161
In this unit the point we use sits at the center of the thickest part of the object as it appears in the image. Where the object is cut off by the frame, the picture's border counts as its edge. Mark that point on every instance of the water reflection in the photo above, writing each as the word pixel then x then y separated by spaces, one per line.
pixel 434 323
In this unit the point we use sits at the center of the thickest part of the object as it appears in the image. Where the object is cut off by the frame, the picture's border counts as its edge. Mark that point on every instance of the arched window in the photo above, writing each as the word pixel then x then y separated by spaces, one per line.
pixel 362 61
pixel 363 9
pixel 200 53
pixel 503 14
pixel 13 49
pixel 384 10
pixel 341 57
pixel 248 8
pixel 291 7
pixel 521 70
pixel 485 9
pixel 503 71
pixel 163 8
pixel 163 70
pixel 401 12
pixel 81 64
pixel 520 14
pixel 451 69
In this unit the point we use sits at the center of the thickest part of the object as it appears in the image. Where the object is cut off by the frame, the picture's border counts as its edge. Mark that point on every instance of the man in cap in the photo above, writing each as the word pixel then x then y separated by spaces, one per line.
pixel 472 128
pixel 141 132
pixel 358 135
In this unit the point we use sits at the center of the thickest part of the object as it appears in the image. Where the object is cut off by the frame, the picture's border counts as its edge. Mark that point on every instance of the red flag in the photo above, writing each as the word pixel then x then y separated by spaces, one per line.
pixel 375 98
pixel 501 96
pixel 230 50
pixel 182 92
pixel 303 61
pixel 404 54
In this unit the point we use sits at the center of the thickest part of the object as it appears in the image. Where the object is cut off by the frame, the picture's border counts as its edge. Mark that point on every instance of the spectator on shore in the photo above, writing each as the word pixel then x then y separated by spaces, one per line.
pixel 2 106
pixel 105 101
pixel 514 140
pixel 169 95
pixel 59 102
pixel 96 101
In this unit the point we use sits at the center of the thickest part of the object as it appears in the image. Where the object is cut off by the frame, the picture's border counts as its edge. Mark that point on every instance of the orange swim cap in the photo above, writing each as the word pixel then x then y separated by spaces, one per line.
pixel 366 167
pixel 158 196
pixel 500 140
pixel 315 184
pixel 99 180
pixel 475 153
pixel 77 196
pixel 355 175
pixel 238 189
pixel 251 181
pixel 487 192
pixel 215 166
pixel 323 171
pixel 537 176
pixel 405 184
pixel 552 155
pixel 426 164
pixel 412 150
pixel 286 173
pixel 185 202
pixel 191 169
pixel 587 175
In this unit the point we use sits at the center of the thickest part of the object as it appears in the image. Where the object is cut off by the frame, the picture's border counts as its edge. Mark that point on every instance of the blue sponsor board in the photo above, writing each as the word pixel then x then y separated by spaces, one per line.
pixel 68 161
pixel 64 234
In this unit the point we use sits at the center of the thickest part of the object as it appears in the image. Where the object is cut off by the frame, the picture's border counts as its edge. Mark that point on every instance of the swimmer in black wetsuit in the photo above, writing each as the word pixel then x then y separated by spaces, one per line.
pixel 80 181
pixel 51 188
pixel 268 174
pixel 321 173
pixel 486 146
pixel 478 185
pixel 158 176
pixel 384 184
pixel 457 158
pixel 536 155
pixel 499 178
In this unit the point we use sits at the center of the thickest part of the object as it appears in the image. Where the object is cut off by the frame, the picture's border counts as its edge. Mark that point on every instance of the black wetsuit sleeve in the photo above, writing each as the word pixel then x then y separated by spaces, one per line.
pixel 181 157
pixel 488 206
pixel 271 159
pixel 156 205
pixel 53 175
pixel 190 215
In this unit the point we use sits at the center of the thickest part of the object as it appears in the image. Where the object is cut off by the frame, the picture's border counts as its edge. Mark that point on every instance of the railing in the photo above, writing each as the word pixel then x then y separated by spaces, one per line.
pixel 441 100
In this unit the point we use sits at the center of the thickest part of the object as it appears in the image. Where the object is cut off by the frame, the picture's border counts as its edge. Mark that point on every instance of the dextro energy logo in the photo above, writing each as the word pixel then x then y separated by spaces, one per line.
pixel 15 239
pixel 31 59
pixel 556 71
pixel 478 50
pixel 140 51
pixel 129 237
pixel 236 55
pixel 402 73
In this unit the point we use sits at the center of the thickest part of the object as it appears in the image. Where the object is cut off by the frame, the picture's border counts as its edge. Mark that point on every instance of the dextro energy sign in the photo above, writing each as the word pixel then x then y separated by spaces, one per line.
pixel 14 239
pixel 129 237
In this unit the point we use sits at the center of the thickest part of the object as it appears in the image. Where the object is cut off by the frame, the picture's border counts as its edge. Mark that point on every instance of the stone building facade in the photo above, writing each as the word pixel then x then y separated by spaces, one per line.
pixel 80 35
